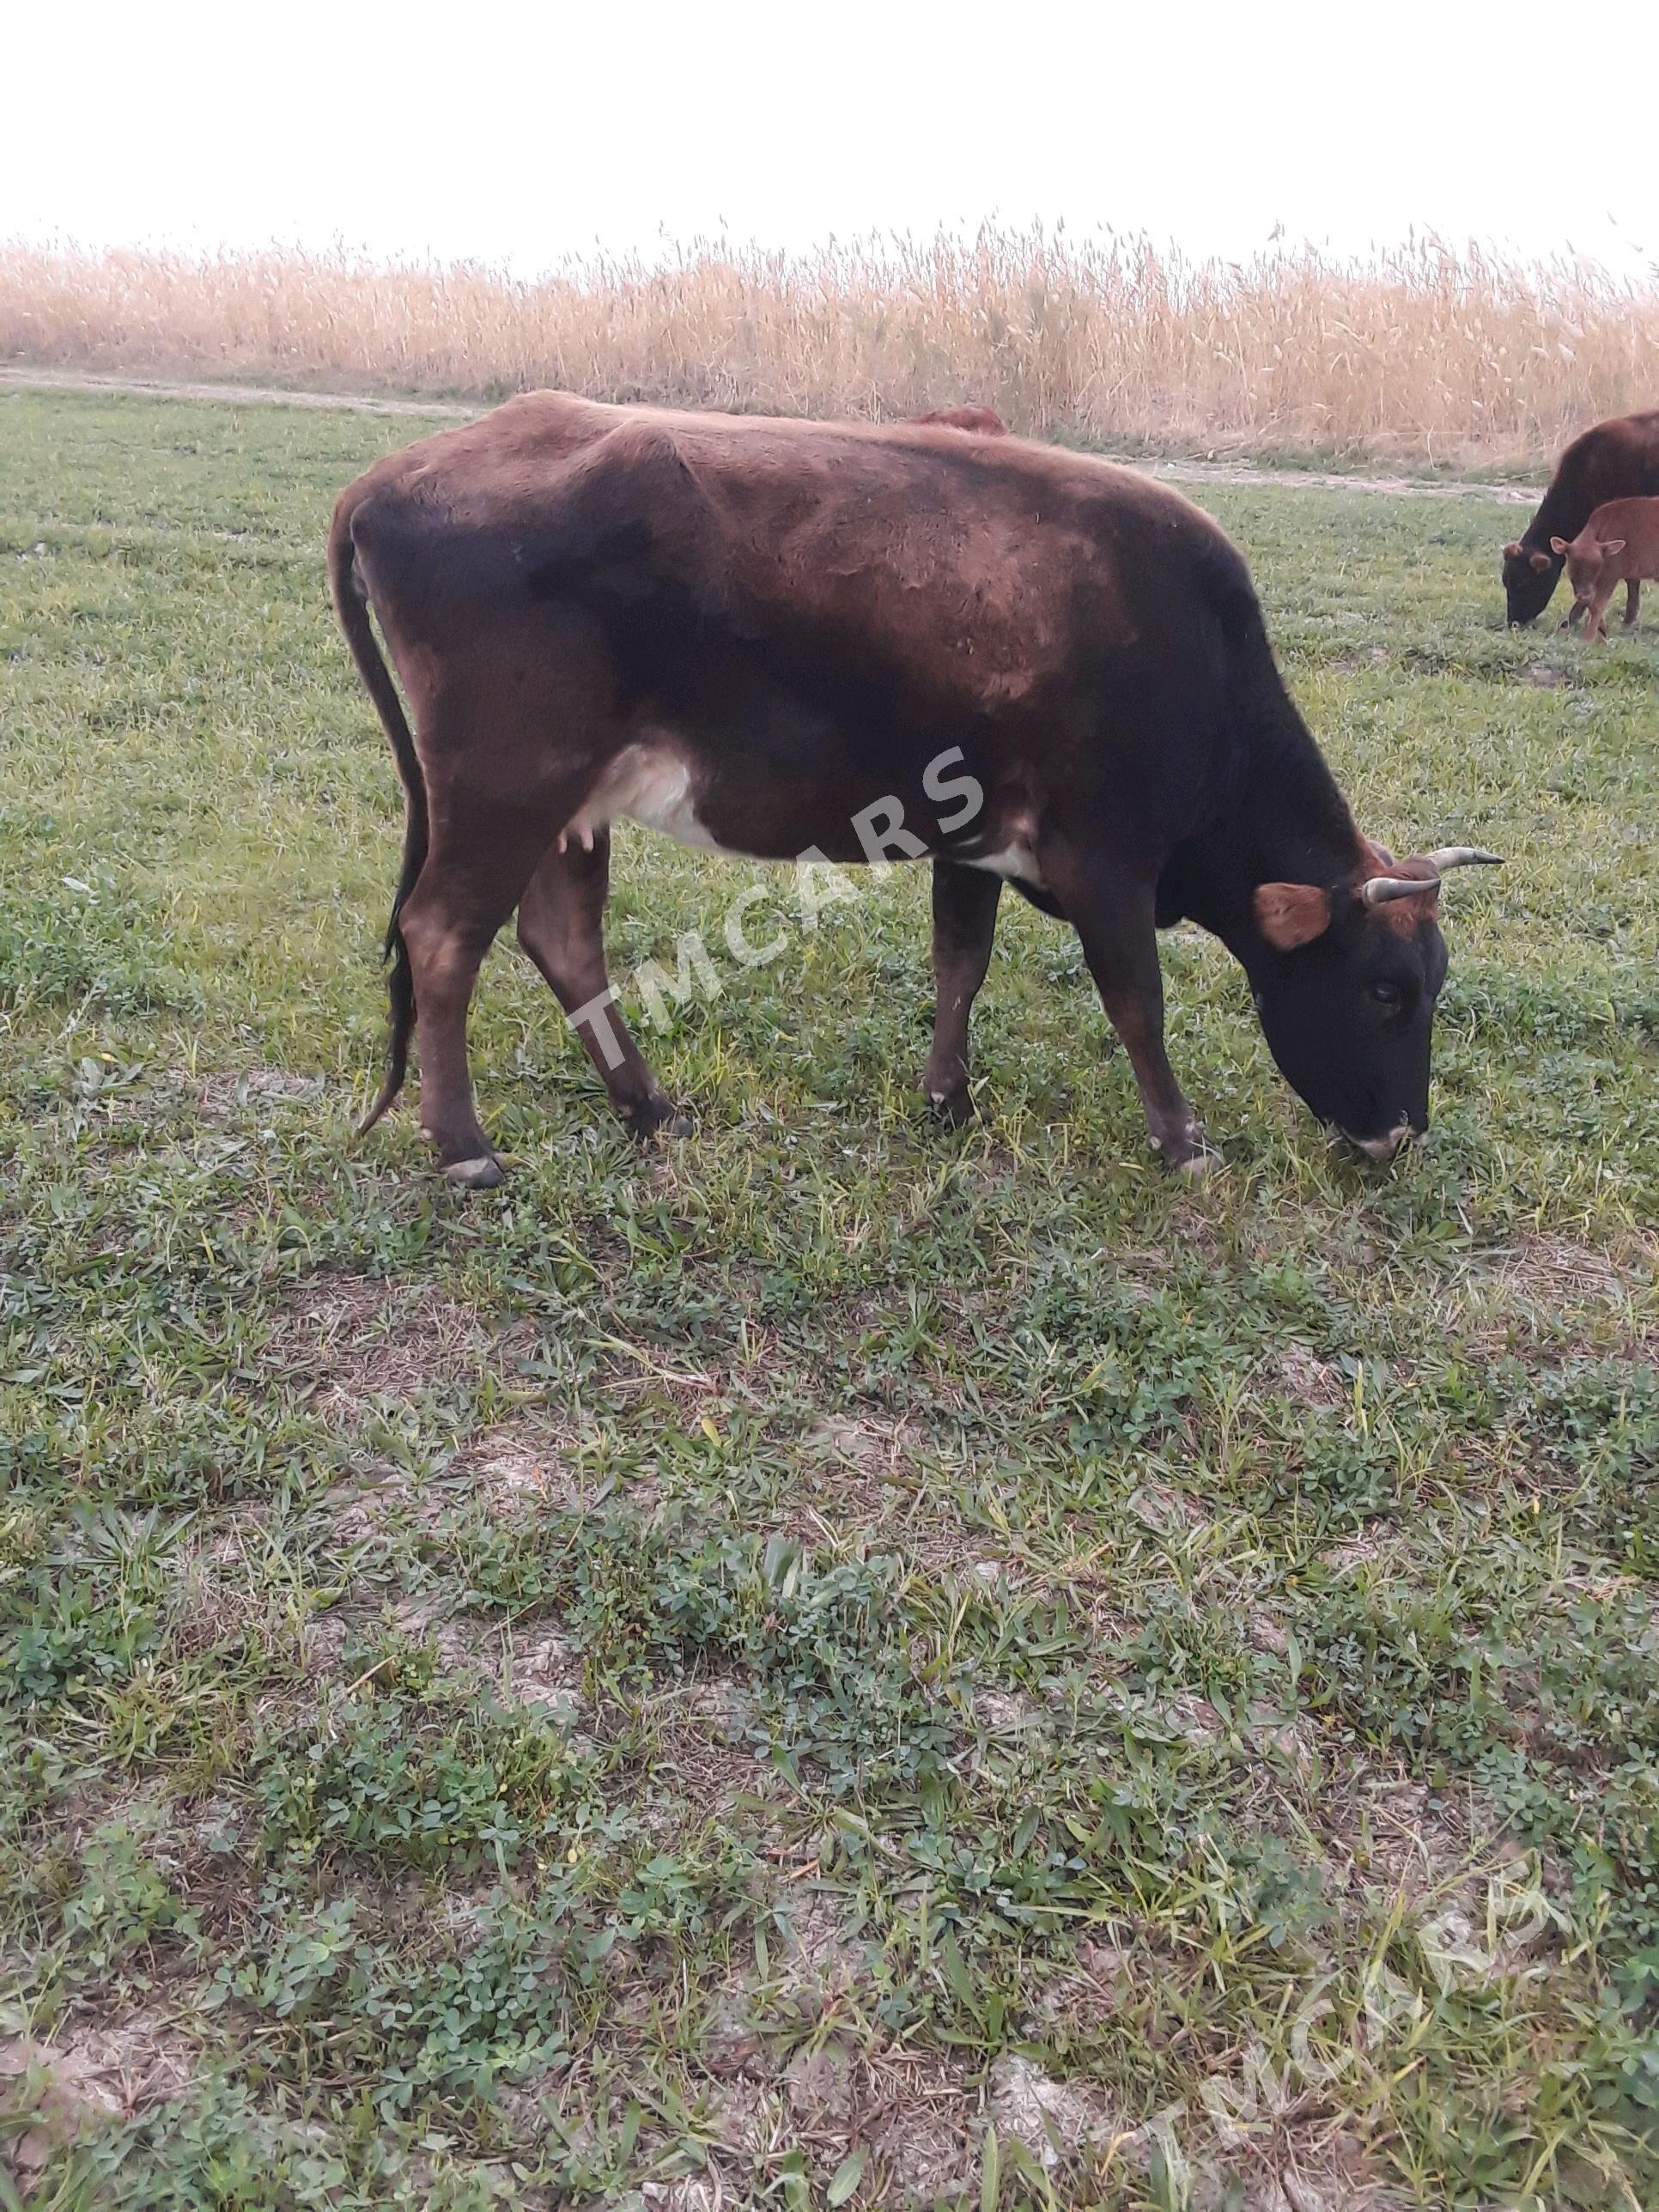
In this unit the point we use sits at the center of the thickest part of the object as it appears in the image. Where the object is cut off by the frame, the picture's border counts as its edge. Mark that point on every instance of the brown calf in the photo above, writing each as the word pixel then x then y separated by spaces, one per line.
pixel 1619 545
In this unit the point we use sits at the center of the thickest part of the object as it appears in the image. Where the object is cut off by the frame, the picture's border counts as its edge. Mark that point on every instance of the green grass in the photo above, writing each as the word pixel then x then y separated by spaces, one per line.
pixel 778 1661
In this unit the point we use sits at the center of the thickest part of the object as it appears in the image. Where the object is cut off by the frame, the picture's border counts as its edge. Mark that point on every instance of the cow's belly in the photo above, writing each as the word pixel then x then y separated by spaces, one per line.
pixel 652 781
pixel 651 784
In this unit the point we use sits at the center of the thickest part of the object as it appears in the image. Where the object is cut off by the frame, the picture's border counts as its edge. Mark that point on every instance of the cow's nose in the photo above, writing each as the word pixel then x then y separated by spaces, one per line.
pixel 1384 1148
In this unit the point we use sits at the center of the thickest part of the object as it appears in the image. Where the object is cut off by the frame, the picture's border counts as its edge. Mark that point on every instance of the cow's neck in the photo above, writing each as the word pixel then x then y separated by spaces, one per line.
pixel 1286 822
pixel 1562 512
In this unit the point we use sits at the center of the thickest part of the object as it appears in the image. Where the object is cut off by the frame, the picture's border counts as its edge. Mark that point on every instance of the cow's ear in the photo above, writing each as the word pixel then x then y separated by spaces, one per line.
pixel 1289 914
pixel 1612 546
pixel 1512 552
pixel 1558 545
pixel 1541 561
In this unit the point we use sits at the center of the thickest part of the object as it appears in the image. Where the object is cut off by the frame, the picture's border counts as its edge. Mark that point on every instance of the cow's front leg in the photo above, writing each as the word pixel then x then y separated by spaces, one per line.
pixel 1113 912
pixel 1632 600
pixel 965 927
pixel 1573 612
pixel 562 927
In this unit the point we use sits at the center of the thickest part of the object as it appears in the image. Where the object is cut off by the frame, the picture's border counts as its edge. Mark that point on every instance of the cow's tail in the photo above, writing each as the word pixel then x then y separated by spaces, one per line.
pixel 351 605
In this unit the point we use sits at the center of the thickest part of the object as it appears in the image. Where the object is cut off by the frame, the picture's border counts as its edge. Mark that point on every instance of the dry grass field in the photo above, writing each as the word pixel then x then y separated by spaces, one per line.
pixel 1450 357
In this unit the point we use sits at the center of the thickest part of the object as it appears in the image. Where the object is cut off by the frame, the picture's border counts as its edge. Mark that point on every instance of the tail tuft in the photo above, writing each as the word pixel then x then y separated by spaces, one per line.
pixel 351 605
pixel 400 989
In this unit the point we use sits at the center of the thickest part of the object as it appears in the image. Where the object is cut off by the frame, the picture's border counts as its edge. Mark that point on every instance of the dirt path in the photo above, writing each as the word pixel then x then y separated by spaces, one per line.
pixel 260 395
pixel 1225 472
pixel 1173 471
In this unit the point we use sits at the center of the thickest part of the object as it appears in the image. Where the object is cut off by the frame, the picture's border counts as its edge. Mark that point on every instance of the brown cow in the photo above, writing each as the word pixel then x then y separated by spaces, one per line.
pixel 849 642
pixel 1619 545
pixel 1618 459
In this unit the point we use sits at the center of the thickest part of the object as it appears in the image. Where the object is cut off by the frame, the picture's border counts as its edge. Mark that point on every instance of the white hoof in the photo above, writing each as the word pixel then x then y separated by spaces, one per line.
pixel 474 1174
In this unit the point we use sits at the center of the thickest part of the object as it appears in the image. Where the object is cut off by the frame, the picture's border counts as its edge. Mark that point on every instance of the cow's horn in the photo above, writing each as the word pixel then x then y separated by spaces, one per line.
pixel 1462 856
pixel 1377 891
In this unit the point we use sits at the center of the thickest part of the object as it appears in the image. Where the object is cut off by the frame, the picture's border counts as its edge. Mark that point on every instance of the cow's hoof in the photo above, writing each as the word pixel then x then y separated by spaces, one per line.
pixel 1183 1148
pixel 483 1174
pixel 1198 1164
pixel 657 1117
pixel 956 1109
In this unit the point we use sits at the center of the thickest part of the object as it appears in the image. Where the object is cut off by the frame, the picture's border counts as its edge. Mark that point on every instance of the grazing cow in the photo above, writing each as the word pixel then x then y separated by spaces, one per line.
pixel 1618 460
pixel 846 642
pixel 1619 545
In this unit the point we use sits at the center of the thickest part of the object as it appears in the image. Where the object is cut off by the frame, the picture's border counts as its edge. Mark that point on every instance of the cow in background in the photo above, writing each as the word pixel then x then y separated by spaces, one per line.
pixel 1618 460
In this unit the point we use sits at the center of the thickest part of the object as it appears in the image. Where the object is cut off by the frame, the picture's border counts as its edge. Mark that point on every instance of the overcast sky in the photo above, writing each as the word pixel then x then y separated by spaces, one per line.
pixel 519 134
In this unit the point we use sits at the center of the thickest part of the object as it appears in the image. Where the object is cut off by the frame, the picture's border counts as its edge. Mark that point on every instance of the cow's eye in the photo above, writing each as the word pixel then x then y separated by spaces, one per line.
pixel 1385 994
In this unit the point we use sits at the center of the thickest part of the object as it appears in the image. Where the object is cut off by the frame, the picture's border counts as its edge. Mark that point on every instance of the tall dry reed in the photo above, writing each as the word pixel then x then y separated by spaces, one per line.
pixel 1426 352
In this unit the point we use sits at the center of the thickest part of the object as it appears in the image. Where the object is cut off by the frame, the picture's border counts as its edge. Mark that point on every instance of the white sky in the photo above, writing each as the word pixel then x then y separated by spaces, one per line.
pixel 517 133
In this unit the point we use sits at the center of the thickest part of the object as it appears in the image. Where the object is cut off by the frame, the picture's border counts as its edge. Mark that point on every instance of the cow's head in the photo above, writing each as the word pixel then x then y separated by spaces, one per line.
pixel 1584 557
pixel 1529 577
pixel 1346 982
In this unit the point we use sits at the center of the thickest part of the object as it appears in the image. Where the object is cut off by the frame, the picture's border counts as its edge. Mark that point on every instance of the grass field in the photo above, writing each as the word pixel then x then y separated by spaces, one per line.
pixel 834 1663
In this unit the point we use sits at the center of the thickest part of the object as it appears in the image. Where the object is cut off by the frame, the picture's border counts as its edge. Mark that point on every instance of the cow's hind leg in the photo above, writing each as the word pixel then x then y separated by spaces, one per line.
pixel 1113 911
pixel 1632 600
pixel 964 927
pixel 562 927
pixel 482 856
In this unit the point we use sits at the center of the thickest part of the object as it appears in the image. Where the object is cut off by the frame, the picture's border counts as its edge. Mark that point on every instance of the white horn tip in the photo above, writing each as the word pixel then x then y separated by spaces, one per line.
pixel 1463 856
pixel 1380 890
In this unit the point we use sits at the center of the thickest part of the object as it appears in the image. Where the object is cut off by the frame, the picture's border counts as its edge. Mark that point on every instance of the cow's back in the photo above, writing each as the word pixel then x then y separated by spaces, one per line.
pixel 1634 521
pixel 1615 459
pixel 982 568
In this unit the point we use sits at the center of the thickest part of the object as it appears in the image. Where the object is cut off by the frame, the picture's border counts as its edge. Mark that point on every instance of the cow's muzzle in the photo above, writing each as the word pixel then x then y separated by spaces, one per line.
pixel 1383 1149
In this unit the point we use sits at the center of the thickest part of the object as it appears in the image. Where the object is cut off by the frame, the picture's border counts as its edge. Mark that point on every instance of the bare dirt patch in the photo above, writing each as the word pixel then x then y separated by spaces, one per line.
pixel 704 1742
pixel 1551 1267
pixel 1418 1841
pixel 1049 2118
pixel 88 2076
pixel 823 1948
pixel 862 1474
pixel 215 1598
pixel 351 1339
pixel 532 1663
pixel 1556 1290
pixel 1311 1381
pixel 513 1470
pixel 1365 1549
pixel 227 1092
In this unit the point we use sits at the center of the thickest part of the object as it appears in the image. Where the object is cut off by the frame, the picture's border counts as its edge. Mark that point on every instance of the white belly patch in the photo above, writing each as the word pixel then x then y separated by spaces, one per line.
pixel 1016 859
pixel 649 784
